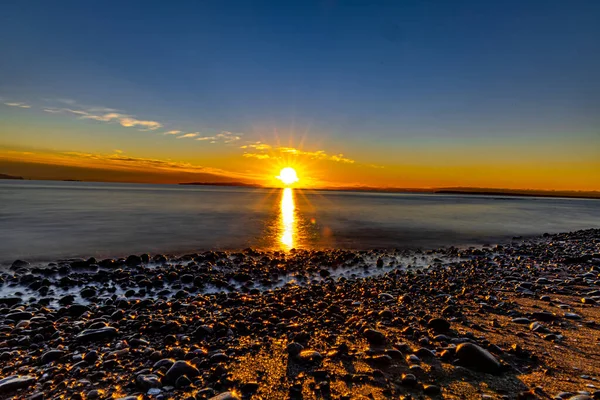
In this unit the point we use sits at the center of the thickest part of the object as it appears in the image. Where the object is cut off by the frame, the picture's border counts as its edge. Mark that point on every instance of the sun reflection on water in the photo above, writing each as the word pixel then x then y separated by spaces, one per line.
pixel 288 221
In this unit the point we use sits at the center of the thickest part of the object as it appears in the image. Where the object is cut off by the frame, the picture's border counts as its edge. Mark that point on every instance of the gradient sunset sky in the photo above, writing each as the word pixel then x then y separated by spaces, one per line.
pixel 502 94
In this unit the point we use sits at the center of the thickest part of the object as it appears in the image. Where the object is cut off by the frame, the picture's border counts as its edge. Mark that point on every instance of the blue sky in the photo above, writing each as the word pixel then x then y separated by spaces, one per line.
pixel 369 77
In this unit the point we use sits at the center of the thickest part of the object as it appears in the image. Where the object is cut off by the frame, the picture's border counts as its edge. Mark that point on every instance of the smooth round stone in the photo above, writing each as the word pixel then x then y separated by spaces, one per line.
pixel 439 325
pixel 51 355
pixel 180 368
pixel 474 357
pixel 294 349
pixel 12 383
pixel 374 337
pixel 572 316
pixel 409 380
pixel 310 356
pixel 225 396
pixel 148 381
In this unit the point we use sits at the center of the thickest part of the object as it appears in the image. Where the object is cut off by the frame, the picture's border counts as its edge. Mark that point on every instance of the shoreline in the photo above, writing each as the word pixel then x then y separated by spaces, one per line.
pixel 518 320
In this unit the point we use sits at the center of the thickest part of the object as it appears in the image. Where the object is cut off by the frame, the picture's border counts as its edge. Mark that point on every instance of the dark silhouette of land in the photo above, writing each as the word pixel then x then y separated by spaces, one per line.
pixel 450 190
pixel 5 176
pixel 447 190
pixel 243 184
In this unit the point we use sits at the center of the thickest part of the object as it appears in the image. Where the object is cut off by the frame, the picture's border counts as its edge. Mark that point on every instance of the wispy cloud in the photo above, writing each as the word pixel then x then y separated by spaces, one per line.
pixel 112 115
pixel 124 120
pixel 20 105
pixel 108 115
pixel 188 135
pixel 119 160
pixel 264 151
pixel 224 136
pixel 257 146
pixel 257 155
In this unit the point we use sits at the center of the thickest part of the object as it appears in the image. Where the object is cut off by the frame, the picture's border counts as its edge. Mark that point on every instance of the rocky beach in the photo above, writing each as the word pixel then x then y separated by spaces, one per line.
pixel 513 321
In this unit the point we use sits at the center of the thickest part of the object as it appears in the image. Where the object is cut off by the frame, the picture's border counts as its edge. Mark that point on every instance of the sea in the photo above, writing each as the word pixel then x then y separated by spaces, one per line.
pixel 51 220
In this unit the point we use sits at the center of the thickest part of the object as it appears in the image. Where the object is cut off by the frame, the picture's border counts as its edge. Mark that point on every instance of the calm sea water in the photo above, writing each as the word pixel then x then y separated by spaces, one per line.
pixel 42 220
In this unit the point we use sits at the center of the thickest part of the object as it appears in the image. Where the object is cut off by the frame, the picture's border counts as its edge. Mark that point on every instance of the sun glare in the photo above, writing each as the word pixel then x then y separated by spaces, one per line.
pixel 288 176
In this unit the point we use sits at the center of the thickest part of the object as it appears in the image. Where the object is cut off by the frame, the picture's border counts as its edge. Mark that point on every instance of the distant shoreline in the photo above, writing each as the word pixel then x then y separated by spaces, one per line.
pixel 594 195
pixel 469 191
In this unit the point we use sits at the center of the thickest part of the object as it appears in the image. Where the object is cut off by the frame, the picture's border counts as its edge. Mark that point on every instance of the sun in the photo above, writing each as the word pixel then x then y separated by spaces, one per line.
pixel 288 176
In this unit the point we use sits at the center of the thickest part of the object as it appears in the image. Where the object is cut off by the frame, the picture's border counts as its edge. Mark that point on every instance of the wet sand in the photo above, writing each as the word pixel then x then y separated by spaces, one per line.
pixel 514 321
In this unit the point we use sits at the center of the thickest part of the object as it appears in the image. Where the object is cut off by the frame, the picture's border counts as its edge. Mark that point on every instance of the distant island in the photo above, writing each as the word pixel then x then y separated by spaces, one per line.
pixel 449 191
pixel 5 176
pixel 441 191
pixel 521 192
pixel 222 184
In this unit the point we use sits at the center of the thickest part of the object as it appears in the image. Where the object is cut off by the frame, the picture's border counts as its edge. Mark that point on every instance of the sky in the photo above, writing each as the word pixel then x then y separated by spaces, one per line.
pixel 416 94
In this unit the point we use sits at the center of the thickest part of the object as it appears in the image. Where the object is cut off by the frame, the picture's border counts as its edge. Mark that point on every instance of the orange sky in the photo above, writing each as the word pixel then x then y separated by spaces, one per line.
pixel 315 169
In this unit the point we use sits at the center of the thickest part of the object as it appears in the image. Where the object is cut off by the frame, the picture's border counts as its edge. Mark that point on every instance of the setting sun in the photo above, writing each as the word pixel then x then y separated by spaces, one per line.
pixel 288 176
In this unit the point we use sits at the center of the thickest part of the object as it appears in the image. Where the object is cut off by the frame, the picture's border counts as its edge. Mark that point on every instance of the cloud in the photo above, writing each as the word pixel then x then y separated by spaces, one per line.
pixel 20 105
pixel 224 136
pixel 257 146
pixel 260 152
pixel 257 155
pixel 118 151
pixel 77 112
pixel 172 132
pixel 124 120
pixel 188 135
pixel 121 161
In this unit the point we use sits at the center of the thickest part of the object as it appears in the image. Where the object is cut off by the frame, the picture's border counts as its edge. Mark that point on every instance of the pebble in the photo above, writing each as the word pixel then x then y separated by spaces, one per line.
pixel 100 334
pixel 225 396
pixel 12 383
pixel 180 368
pixel 474 357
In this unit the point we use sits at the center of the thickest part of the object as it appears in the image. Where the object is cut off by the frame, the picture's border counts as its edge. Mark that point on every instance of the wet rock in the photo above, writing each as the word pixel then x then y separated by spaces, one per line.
pixel 225 396
pixel 15 382
pixel 182 382
pixel 96 335
pixel 374 337
pixel 538 328
pixel 544 316
pixel 474 357
pixel 181 368
pixel 149 381
pixel 439 325
pixel 50 356
pixel 572 316
pixel 10 301
pixel 293 349
pixel 19 264
pixel 432 390
pixel 77 310
pixel 133 260
pixel 19 316
pixel 88 292
pixel 165 362
pixel 309 356
pixel 91 357
pixel 409 380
